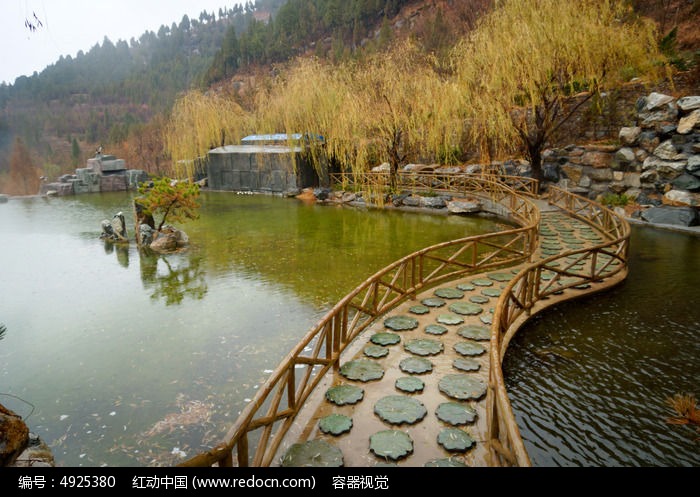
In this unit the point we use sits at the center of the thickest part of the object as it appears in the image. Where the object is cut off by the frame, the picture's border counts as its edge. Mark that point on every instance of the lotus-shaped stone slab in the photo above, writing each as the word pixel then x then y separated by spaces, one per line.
pixel 314 453
pixel 410 384
pixel 469 348
pixel 456 413
pixel 344 394
pixel 423 346
pixel 455 440
pixel 391 444
pixel 462 386
pixel 416 365
pixel 385 338
pixel 401 323
pixel 362 370
pixel 335 424
pixel 399 409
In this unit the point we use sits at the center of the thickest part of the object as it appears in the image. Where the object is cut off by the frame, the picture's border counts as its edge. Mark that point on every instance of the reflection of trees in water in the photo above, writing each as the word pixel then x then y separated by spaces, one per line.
pixel 177 276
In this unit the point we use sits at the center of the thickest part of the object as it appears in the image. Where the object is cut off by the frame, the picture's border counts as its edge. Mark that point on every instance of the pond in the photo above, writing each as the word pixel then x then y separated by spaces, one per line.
pixel 589 379
pixel 115 358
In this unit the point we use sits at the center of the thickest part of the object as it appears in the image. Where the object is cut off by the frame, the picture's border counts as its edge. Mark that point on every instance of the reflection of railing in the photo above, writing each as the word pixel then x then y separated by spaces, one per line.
pixel 259 430
pixel 456 183
pixel 526 293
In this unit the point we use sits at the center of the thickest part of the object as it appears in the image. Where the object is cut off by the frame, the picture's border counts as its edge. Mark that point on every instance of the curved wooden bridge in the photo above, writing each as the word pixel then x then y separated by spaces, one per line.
pixel 406 369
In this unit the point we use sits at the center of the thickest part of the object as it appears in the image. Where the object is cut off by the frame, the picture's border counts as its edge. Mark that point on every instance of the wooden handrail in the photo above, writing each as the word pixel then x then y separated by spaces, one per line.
pixel 273 410
pixel 525 295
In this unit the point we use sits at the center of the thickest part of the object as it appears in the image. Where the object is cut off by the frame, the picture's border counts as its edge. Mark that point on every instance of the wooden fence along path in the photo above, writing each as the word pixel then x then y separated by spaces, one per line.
pixel 406 370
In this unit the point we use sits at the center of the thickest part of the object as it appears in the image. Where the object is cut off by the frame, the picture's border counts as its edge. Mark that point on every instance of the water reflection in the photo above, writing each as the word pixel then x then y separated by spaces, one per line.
pixel 135 359
pixel 172 277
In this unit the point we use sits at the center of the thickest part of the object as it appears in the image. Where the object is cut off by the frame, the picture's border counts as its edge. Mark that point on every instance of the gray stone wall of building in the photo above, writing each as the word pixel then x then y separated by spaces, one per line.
pixel 259 168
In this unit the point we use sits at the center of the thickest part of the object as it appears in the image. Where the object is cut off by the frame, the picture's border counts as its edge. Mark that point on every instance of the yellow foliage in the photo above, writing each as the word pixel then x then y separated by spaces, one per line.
pixel 533 54
pixel 198 123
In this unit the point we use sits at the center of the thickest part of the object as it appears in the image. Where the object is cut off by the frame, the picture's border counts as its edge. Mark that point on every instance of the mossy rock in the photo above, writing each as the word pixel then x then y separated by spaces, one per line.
pixel 469 348
pixel 341 395
pixel 474 332
pixel 455 440
pixel 466 308
pixel 362 370
pixel 456 413
pixel 419 309
pixel 399 409
pixel 376 351
pixel 423 346
pixel 335 424
pixel 391 444
pixel 482 282
pixel 385 338
pixel 449 293
pixel 450 319
pixel 462 386
pixel 401 323
pixel 416 365
pixel 314 453
pixel 433 302
pixel 435 329
pixel 466 364
pixel 410 384
pixel 445 462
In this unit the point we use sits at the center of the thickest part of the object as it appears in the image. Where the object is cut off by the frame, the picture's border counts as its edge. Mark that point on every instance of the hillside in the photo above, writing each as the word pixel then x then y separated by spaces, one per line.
pixel 61 119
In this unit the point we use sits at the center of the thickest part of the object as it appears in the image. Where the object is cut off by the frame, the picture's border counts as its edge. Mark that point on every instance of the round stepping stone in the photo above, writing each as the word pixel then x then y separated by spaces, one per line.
pixel 341 395
pixel 385 338
pixel 462 386
pixel 455 440
pixel 415 365
pixel 445 462
pixel 335 424
pixel 456 413
pixel 435 329
pixel 399 409
pixel 419 309
pixel 466 364
pixel 449 293
pixel 423 346
pixel 362 370
pixel 478 299
pixel 391 444
pixel 410 384
pixel 433 302
pixel 376 351
pixel 449 319
pixel 482 282
pixel 313 453
pixel 401 323
pixel 491 292
pixel 474 332
pixel 469 348
pixel 466 308
pixel 467 287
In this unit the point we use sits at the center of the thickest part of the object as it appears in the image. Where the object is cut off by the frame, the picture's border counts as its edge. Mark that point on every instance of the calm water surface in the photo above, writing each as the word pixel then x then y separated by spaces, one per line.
pixel 119 359
pixel 588 379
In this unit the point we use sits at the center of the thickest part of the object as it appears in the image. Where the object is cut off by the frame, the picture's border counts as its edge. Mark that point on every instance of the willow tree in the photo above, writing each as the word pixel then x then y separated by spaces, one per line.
pixel 530 65
pixel 392 107
pixel 198 123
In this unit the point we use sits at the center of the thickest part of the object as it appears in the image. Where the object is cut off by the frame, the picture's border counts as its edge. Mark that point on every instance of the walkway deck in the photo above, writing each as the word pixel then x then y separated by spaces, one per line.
pixel 406 362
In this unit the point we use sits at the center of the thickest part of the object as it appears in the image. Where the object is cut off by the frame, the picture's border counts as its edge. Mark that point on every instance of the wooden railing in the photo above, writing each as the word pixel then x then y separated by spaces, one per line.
pixel 455 183
pixel 257 433
pixel 575 272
